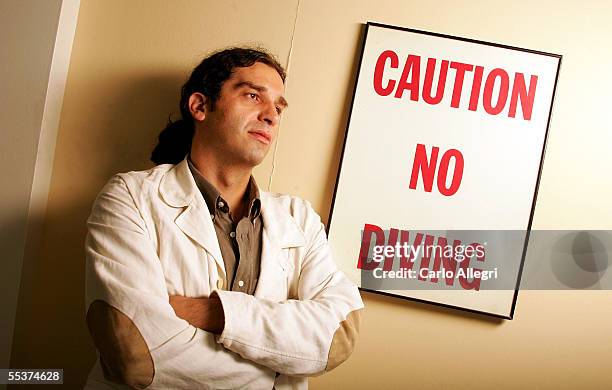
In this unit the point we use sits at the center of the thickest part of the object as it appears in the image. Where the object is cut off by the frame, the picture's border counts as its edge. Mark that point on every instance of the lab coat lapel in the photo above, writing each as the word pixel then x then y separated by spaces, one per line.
pixel 178 189
pixel 280 232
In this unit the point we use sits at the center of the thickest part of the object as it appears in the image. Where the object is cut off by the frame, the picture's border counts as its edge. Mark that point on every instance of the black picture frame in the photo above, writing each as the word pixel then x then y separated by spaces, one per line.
pixel 367 26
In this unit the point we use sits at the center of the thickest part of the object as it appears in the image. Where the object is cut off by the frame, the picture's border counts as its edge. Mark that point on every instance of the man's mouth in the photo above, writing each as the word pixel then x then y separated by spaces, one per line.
pixel 261 136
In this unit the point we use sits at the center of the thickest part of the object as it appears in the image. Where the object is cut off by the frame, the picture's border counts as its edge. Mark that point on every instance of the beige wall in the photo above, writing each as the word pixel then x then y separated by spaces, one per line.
pixel 557 339
pixel 35 41
pixel 24 79
pixel 128 62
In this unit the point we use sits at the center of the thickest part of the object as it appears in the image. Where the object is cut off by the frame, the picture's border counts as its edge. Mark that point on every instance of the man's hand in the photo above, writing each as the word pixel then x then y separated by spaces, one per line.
pixel 204 313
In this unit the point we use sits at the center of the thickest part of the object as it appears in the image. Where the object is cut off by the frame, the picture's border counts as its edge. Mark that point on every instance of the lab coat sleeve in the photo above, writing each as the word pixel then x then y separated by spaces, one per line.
pixel 123 270
pixel 298 337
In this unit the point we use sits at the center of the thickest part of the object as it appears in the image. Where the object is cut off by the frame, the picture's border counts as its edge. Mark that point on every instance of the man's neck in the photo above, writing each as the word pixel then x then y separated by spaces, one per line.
pixel 231 181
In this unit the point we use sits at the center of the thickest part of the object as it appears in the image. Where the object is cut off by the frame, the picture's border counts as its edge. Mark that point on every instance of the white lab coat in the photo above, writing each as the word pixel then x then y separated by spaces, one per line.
pixel 150 235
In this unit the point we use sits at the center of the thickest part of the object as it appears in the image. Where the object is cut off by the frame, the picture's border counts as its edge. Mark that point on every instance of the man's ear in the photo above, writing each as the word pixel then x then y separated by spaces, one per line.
pixel 197 106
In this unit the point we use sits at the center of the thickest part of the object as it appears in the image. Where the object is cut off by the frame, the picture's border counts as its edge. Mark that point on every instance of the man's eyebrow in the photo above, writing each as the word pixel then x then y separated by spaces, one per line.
pixel 249 84
pixel 260 88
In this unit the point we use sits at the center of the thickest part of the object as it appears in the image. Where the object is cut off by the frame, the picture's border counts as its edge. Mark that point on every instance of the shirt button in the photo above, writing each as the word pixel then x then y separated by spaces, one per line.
pixel 212 216
pixel 240 283
pixel 233 234
pixel 220 204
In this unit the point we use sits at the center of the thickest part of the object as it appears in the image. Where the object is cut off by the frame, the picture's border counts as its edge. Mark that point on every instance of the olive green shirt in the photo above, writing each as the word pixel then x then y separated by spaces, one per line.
pixel 239 236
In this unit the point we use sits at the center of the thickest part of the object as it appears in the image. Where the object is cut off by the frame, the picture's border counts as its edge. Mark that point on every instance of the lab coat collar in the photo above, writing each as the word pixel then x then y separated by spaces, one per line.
pixel 178 189
pixel 280 230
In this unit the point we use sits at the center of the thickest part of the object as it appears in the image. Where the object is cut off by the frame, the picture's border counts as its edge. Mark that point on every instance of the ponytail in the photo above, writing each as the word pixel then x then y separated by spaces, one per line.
pixel 174 142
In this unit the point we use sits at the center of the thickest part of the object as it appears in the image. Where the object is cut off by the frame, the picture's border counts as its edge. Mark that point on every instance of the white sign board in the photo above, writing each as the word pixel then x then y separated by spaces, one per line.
pixel 442 159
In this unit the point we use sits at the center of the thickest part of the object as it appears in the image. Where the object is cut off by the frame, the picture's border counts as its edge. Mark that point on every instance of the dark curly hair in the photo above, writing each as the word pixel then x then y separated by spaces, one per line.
pixel 174 141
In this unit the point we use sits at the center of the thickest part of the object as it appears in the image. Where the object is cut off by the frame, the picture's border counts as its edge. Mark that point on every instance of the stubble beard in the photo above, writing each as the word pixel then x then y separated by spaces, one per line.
pixel 246 155
pixel 255 156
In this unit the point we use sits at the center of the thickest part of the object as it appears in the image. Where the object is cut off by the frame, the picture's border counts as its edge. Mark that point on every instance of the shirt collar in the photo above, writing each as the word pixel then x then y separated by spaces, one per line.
pixel 215 201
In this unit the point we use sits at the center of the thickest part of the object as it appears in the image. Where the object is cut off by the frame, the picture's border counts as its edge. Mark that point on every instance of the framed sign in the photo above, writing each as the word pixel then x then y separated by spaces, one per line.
pixel 440 167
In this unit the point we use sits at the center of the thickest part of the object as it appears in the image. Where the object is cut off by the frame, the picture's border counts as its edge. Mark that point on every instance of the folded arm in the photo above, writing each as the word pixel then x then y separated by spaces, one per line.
pixel 203 313
pixel 300 337
pixel 138 334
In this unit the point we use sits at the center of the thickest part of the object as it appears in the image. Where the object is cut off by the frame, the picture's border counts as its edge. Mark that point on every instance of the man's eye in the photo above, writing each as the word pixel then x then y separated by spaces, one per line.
pixel 253 96
pixel 279 110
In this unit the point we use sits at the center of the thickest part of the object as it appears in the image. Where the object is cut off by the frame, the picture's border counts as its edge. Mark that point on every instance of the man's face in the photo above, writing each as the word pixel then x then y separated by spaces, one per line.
pixel 245 119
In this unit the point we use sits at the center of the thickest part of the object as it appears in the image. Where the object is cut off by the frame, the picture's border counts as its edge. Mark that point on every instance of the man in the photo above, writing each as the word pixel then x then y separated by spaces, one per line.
pixel 195 277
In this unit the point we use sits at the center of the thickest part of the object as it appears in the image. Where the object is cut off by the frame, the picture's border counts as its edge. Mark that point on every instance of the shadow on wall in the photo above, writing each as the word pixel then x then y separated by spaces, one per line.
pixel 50 329
pixel 440 312
pixel 342 125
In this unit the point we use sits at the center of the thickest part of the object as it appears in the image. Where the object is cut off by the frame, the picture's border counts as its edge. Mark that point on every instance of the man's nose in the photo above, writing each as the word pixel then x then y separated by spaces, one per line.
pixel 269 114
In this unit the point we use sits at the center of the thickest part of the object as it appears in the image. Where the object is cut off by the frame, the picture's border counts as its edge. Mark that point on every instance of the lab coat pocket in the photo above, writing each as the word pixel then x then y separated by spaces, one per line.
pixel 272 283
